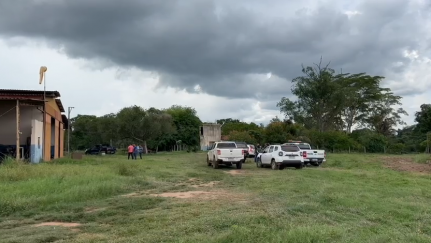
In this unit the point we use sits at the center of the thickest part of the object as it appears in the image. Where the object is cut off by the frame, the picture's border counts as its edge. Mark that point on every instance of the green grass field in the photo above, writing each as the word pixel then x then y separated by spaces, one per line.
pixel 352 198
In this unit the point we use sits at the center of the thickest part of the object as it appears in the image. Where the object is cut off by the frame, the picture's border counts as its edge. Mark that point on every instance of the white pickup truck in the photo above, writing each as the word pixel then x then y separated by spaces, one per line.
pixel 225 153
pixel 312 156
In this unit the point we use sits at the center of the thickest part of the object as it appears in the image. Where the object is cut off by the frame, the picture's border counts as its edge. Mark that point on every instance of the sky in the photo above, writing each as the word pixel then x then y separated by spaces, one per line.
pixel 226 59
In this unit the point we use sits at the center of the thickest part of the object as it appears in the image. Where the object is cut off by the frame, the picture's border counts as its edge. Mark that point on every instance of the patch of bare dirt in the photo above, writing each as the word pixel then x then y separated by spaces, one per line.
pixel 94 210
pixel 196 183
pixel 207 195
pixel 235 172
pixel 133 194
pixel 61 224
pixel 209 184
pixel 406 164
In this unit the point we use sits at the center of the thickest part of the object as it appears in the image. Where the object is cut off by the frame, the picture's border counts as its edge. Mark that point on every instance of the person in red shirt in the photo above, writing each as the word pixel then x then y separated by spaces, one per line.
pixel 130 151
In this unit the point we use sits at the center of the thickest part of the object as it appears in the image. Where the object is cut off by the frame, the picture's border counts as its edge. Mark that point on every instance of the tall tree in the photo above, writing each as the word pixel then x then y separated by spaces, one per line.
pixel 423 118
pixel 187 124
pixel 320 98
pixel 107 127
pixel 383 117
pixel 360 92
pixel 136 123
pixel 227 120
pixel 84 132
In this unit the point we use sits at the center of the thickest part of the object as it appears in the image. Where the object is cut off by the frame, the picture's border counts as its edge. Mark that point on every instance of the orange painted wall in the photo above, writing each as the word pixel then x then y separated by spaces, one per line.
pixel 56 137
pixel 61 140
pixel 47 138
pixel 52 110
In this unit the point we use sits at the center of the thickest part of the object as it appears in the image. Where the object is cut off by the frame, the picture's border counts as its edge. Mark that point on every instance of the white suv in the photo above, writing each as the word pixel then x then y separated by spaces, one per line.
pixel 281 156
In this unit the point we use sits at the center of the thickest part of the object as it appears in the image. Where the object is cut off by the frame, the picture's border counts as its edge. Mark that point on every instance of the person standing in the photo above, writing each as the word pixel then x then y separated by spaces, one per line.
pixel 130 151
pixel 256 152
pixel 135 151
pixel 140 150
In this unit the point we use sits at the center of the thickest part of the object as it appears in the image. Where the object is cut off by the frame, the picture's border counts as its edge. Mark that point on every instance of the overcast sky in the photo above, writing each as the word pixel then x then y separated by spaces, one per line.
pixel 224 58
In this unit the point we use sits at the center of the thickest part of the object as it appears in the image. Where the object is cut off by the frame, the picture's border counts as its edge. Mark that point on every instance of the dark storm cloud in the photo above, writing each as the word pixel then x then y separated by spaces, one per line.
pixel 219 45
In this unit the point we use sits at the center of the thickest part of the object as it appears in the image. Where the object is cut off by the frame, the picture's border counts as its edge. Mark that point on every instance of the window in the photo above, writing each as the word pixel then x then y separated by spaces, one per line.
pixel 202 131
pixel 289 148
pixel 275 148
pixel 266 150
pixel 226 145
pixel 271 149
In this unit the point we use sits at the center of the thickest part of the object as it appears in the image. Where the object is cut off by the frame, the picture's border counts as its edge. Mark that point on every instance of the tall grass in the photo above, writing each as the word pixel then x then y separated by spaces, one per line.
pixel 422 158
pixel 351 198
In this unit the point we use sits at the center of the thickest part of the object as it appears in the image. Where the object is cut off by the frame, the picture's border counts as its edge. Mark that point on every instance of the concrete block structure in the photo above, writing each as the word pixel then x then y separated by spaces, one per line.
pixel 41 132
pixel 209 134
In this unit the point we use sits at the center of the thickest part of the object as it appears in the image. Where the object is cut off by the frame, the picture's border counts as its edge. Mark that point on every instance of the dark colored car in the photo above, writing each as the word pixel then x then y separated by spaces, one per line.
pixel 101 148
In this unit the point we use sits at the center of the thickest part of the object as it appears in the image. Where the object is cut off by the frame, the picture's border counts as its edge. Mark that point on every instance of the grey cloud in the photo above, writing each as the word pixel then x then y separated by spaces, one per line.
pixel 219 44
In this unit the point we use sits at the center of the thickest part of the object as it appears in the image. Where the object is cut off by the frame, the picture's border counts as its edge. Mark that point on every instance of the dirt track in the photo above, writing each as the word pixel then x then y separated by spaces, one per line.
pixel 406 164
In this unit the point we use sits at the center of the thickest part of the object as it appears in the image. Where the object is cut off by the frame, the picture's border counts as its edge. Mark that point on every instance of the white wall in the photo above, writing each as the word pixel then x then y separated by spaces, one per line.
pixel 8 122
pixel 36 141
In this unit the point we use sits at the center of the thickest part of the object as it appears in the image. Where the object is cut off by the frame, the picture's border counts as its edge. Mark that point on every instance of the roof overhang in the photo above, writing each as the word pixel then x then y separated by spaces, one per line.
pixel 65 121
pixel 60 105
pixel 26 93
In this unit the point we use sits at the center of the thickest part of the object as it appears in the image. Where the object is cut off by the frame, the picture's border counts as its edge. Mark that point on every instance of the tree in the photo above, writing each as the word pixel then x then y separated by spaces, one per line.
pixel 107 127
pixel 423 118
pixel 360 91
pixel 230 125
pixel 276 132
pixel 227 120
pixel 136 123
pixel 319 101
pixel 242 136
pixel 382 116
pixel 84 132
pixel 187 124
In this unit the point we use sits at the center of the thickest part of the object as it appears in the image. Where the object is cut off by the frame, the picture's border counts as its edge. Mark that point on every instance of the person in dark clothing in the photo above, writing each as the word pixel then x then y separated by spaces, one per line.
pixel 257 151
pixel 140 150
pixel 135 152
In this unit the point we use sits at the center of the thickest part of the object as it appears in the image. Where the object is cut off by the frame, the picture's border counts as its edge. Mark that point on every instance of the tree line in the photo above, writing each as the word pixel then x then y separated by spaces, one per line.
pixel 153 128
pixel 333 111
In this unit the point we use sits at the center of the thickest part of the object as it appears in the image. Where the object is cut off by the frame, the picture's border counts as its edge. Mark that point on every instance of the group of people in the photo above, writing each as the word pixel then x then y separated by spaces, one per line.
pixel 133 151
pixel 259 149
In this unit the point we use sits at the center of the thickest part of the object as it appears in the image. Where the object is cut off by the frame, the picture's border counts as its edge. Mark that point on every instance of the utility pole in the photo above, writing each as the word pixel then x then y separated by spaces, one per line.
pixel 69 109
pixel 17 152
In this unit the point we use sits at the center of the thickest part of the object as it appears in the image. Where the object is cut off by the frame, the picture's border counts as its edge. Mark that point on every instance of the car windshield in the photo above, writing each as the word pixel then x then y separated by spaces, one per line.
pixel 289 148
pixel 226 145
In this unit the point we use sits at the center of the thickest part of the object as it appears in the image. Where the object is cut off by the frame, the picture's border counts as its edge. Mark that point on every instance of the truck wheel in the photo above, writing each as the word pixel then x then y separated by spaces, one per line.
pixel 215 164
pixel 239 165
pixel 208 161
pixel 274 166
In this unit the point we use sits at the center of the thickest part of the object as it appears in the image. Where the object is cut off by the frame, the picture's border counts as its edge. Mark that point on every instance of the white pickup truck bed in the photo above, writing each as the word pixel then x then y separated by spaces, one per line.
pixel 225 153
pixel 314 156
